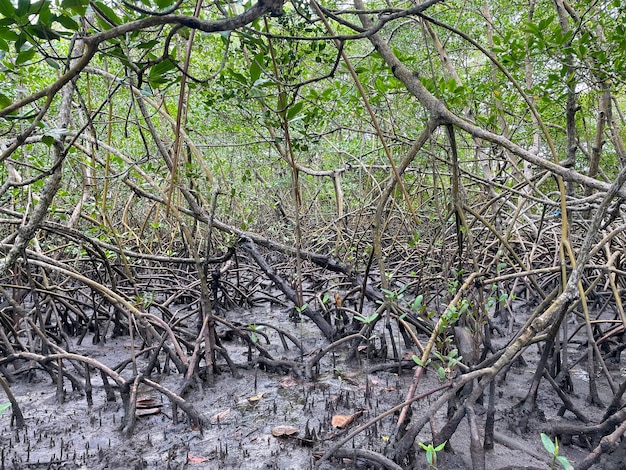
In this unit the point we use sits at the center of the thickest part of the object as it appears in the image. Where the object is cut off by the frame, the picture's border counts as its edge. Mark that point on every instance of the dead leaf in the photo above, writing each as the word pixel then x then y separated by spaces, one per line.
pixel 343 421
pixel 284 430
pixel 139 412
pixel 256 397
pixel 194 459
pixel 288 382
pixel 338 300
pixel 220 417
pixel 147 402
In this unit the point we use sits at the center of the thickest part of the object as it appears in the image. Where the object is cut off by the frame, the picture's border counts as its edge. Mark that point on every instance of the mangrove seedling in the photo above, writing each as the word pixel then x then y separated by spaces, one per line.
pixel 553 448
pixel 431 453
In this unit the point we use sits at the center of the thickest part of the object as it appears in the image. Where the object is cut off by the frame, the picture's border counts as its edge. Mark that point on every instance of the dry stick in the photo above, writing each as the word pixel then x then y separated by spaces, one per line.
pixel 282 333
pixel 361 90
pixel 15 407
pixel 88 387
pixel 318 319
pixel 181 115
pixel 607 444
pixel 368 455
pixel 429 346
pixel 491 418
pixel 616 402
pixel 288 155
pixel 396 178
pixel 593 430
pixel 374 420
pixel 315 359
pixel 476 449
pixel 116 299
pixel 553 314
pixel 130 407
pixel 206 309
pixel 60 393
pixel 567 402
pixel 119 380
pixel 530 401
pixel 508 246
pixel 611 259
pixel 194 416
pixel 592 346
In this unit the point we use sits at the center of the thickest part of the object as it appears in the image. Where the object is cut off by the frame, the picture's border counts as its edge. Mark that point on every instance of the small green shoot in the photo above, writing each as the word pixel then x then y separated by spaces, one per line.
pixel 431 453
pixel 395 295
pixel 367 320
pixel 416 306
pixel 553 448
pixel 254 328
pixel 418 361
pixel 448 363
pixel 4 407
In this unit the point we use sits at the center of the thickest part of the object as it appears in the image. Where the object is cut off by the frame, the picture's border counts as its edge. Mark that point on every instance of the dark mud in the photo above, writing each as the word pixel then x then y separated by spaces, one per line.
pixel 243 411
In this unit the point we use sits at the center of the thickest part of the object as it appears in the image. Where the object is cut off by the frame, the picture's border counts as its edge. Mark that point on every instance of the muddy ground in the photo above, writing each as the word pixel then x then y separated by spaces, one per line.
pixel 243 411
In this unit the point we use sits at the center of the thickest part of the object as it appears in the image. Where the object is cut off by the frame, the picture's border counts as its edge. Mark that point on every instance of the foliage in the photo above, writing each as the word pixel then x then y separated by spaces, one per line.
pixel 431 453
pixel 553 448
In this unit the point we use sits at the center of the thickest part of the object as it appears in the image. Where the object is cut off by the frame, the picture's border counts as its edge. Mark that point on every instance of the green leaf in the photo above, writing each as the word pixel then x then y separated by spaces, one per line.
pixel 417 303
pixel 6 9
pixel 53 63
pixel 42 32
pixel 22 7
pixel 440 447
pixel 543 24
pixel 255 67
pixel 547 443
pixel 147 45
pixel 431 456
pixel 37 8
pixel 25 56
pixel 158 73
pixel 8 34
pixel 4 407
pixel 564 463
pixel 4 101
pixel 68 23
pixel 163 4
pixel 108 13
pixel 77 6
pixel 47 140
pixel 294 110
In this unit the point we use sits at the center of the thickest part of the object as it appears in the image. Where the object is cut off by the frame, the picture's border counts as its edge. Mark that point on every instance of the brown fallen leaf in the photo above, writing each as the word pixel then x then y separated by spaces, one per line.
pixel 220 417
pixel 343 421
pixel 284 430
pixel 147 402
pixel 139 412
pixel 256 397
pixel 288 382
pixel 338 300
